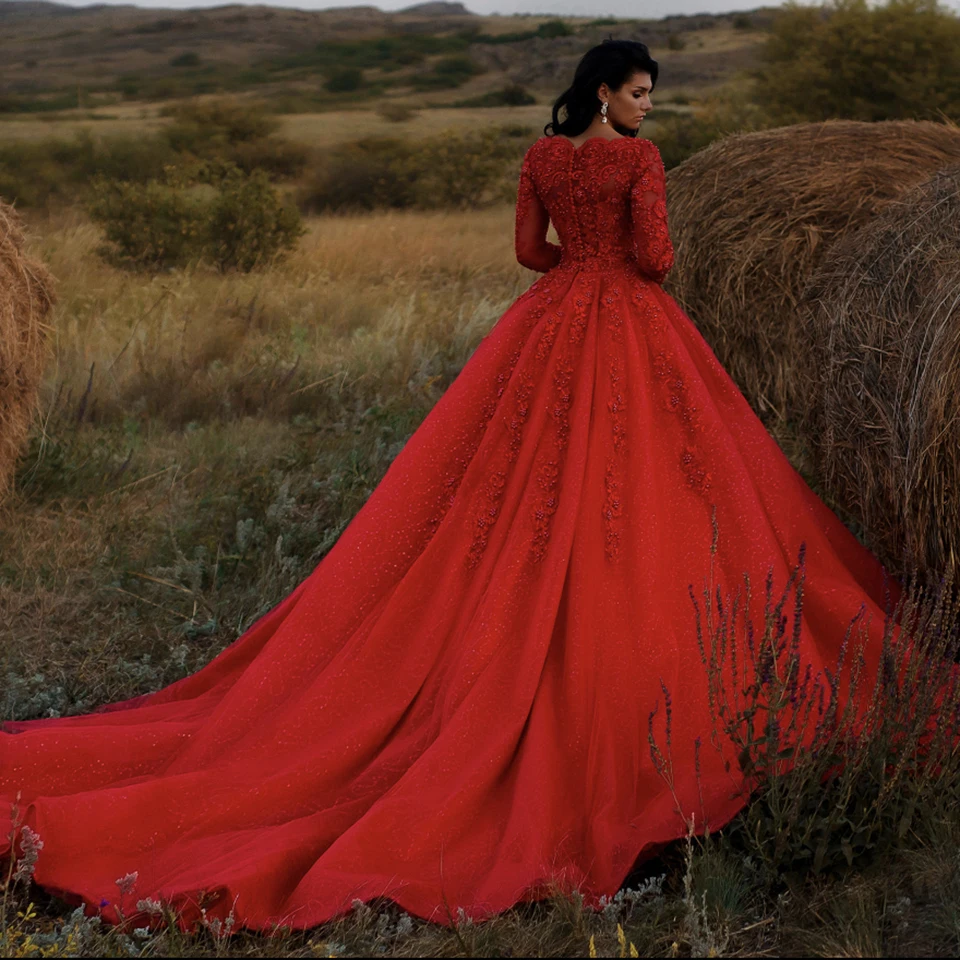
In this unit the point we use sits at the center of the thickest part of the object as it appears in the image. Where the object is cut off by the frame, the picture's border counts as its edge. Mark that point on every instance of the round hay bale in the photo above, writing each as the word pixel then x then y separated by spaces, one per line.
pixel 751 217
pixel 26 296
pixel 884 315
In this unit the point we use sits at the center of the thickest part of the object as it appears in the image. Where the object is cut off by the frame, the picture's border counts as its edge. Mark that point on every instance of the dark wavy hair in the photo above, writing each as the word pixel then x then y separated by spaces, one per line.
pixel 611 62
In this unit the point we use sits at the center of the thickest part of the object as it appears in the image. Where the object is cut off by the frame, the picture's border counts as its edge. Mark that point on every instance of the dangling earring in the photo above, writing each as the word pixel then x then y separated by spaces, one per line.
pixel 603 112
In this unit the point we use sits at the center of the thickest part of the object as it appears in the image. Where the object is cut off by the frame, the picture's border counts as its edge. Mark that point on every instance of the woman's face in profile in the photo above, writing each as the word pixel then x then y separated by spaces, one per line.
pixel 631 103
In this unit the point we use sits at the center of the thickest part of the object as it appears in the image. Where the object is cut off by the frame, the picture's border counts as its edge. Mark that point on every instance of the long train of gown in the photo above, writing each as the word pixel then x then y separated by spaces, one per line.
pixel 451 710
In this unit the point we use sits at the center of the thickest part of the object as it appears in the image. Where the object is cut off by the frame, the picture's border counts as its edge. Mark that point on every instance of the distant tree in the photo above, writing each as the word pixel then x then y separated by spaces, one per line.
pixel 849 59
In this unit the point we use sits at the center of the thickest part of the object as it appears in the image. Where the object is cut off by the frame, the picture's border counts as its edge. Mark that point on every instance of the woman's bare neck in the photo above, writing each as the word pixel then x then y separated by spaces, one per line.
pixel 592 131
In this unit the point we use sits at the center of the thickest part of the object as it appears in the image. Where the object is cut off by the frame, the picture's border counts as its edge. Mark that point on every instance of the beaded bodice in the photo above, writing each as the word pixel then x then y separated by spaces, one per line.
pixel 607 200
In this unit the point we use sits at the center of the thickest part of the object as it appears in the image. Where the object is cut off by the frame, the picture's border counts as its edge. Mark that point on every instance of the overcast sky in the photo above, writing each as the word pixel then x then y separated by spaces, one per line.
pixel 644 9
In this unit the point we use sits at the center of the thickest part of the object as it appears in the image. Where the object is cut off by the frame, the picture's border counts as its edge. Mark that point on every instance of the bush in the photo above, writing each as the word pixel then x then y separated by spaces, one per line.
pixel 463 170
pixel 242 134
pixel 450 170
pixel 51 171
pixel 396 112
pixel 843 765
pixel 247 223
pixel 675 41
pixel 45 104
pixel 512 95
pixel 368 174
pixel 204 128
pixel 280 158
pixel 554 28
pixel 854 61
pixel 680 135
pixel 385 53
pixel 151 225
pixel 216 213
pixel 186 60
pixel 452 71
pixel 44 172
pixel 344 80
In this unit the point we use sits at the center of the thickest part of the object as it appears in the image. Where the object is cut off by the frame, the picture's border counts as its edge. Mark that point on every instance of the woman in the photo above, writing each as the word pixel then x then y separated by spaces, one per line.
pixel 452 710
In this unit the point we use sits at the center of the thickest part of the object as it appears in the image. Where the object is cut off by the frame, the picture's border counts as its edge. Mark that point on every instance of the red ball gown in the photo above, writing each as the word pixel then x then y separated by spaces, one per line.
pixel 451 711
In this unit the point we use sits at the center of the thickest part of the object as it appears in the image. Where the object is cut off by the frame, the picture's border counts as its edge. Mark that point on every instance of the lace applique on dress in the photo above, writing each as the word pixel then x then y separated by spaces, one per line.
pixel 491 495
pixel 609 211
pixel 607 200
pixel 549 472
pixel 677 401
pixel 617 406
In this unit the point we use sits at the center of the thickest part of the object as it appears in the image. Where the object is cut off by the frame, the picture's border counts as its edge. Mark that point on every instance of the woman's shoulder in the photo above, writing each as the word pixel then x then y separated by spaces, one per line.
pixel 641 152
pixel 547 141
pixel 538 145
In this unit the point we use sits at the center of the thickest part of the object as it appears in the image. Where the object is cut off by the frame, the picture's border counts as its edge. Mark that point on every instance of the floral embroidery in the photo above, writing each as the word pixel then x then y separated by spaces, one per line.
pixel 547 477
pixel 549 471
pixel 617 405
pixel 677 401
pixel 491 496
pixel 452 482
pixel 606 199
pixel 612 510
pixel 609 214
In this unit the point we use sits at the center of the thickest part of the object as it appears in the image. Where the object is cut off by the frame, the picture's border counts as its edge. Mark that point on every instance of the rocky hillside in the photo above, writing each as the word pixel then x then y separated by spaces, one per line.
pixel 50 51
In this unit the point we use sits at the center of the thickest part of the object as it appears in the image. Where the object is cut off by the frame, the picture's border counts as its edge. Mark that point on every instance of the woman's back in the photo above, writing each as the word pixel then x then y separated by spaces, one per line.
pixel 606 199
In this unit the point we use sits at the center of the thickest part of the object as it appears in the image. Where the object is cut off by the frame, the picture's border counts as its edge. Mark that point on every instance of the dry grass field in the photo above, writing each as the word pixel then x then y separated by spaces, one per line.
pixel 202 441
pixel 176 446
pixel 203 437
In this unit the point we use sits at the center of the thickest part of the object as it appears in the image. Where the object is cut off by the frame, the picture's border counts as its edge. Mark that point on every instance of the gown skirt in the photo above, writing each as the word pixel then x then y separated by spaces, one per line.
pixel 452 710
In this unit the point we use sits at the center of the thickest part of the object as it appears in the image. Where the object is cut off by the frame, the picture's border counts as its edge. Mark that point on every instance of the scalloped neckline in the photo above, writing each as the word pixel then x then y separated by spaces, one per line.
pixel 577 149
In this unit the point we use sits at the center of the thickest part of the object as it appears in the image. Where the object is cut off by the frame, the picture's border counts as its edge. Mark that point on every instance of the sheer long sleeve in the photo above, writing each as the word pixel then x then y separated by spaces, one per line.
pixel 532 220
pixel 648 205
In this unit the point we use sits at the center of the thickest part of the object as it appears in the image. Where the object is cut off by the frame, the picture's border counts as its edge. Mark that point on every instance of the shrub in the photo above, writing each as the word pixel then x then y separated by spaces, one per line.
pixel 385 53
pixel 247 223
pixel 680 135
pixel 45 104
pixel 216 213
pixel 396 112
pixel 43 172
pixel 451 71
pixel 280 158
pixel 462 170
pixel 451 170
pixel 675 41
pixel 344 80
pixel 859 62
pixel 364 175
pixel 242 134
pixel 512 95
pixel 151 225
pixel 186 60
pixel 50 171
pixel 205 128
pixel 554 28
pixel 842 765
